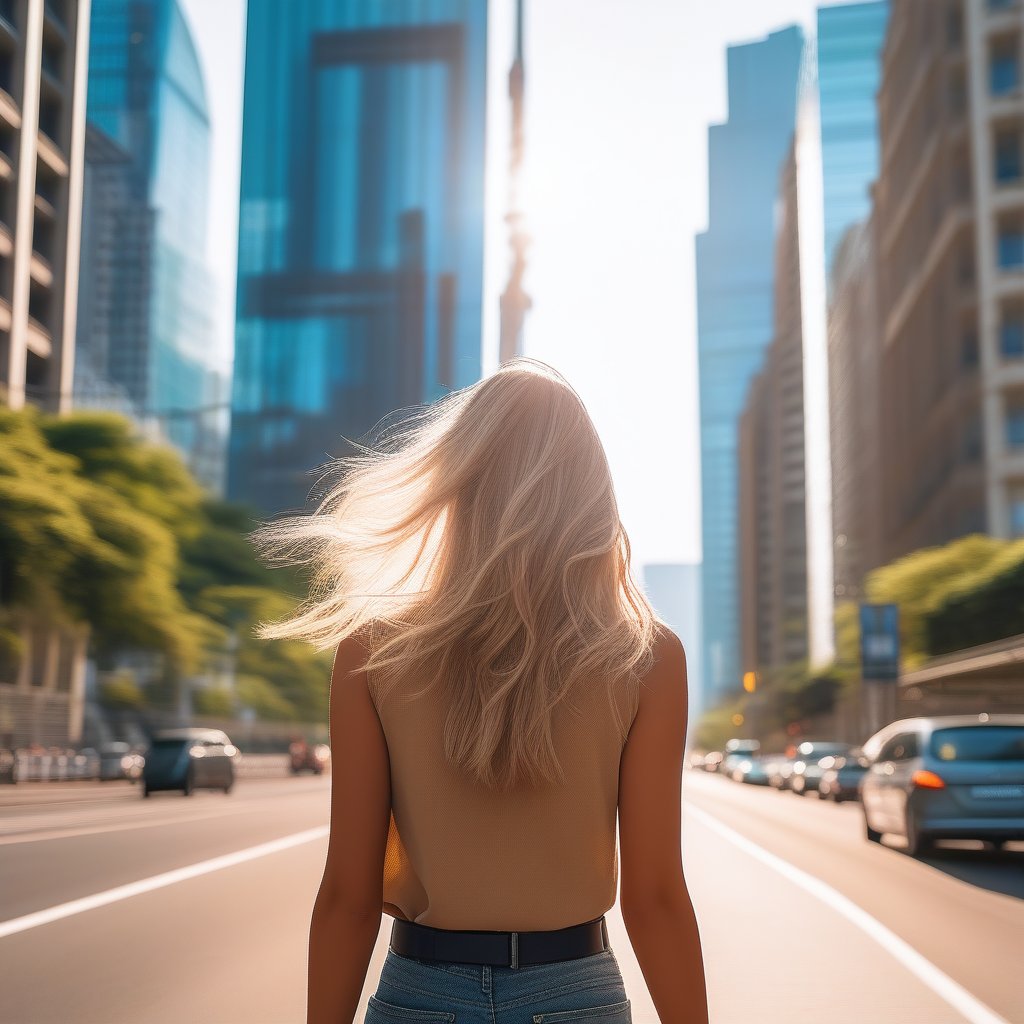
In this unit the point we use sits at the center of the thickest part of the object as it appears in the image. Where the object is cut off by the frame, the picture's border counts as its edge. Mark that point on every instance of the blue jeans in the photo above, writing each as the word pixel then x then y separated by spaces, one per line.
pixel 588 988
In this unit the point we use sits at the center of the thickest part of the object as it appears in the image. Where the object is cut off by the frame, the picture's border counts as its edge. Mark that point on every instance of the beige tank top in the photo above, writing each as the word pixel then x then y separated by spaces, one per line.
pixel 542 857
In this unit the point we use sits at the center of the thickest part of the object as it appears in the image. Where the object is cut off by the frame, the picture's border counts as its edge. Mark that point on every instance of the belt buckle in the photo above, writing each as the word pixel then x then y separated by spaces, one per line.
pixel 515 949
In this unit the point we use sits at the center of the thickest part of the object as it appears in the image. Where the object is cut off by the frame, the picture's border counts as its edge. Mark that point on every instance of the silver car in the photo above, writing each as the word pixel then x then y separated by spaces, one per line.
pixel 948 777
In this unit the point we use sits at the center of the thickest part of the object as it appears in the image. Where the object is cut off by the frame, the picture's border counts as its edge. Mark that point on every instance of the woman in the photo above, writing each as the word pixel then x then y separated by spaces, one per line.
pixel 501 688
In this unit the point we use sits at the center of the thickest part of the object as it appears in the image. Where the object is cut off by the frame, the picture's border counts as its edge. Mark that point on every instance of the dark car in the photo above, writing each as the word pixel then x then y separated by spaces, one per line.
pixel 841 775
pixel 189 759
pixel 309 757
pixel 947 777
pixel 119 761
pixel 807 771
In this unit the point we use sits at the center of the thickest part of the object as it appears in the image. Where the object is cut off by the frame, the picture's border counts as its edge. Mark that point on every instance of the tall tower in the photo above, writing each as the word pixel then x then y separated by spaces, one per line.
pixel 360 247
pixel 735 267
pixel 148 327
pixel 42 141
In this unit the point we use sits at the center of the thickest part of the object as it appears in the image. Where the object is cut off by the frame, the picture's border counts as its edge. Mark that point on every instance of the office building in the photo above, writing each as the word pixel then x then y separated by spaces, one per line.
pixel 849 43
pixel 148 329
pixel 113 334
pixel 42 117
pixel 43 56
pixel 949 214
pixel 673 588
pixel 360 247
pixel 734 262
pixel 773 532
pixel 854 353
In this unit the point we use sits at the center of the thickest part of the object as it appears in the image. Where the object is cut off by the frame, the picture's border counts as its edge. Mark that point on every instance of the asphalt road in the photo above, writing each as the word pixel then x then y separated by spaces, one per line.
pixel 800 917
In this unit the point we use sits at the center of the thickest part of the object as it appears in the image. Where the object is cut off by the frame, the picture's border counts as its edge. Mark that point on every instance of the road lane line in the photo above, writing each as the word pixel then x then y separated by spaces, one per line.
pixel 937 980
pixel 38 835
pixel 123 892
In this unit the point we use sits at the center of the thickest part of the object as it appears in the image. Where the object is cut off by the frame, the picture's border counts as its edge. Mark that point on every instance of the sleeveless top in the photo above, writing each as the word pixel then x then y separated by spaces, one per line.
pixel 537 857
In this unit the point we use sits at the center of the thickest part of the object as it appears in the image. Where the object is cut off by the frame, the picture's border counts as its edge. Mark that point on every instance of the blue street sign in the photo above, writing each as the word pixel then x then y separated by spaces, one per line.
pixel 879 642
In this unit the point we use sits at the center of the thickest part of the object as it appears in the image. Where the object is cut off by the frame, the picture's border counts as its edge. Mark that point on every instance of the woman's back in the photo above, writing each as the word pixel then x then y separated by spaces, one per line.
pixel 540 856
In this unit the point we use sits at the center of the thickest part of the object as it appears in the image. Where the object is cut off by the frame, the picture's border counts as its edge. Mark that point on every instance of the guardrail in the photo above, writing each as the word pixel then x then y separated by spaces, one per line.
pixel 26 767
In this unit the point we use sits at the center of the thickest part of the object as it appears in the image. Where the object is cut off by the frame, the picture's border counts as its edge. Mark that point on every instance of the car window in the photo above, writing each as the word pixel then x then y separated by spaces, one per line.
pixel 166 744
pixel 979 743
pixel 901 747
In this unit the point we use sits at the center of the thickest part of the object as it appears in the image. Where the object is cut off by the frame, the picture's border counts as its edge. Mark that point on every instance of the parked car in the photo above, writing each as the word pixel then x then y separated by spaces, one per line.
pixel 189 759
pixel 841 775
pixel 806 772
pixel 119 760
pixel 751 770
pixel 945 777
pixel 309 757
pixel 713 761
pixel 694 760
pixel 737 750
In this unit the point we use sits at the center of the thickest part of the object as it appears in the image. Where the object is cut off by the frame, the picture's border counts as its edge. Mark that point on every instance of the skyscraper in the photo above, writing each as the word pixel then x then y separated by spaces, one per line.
pixel 734 311
pixel 850 40
pixel 772 480
pixel 146 95
pixel 950 253
pixel 360 228
pixel 42 139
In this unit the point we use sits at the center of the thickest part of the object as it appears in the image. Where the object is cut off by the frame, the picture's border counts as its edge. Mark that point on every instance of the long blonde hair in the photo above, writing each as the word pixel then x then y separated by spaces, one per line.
pixel 478 547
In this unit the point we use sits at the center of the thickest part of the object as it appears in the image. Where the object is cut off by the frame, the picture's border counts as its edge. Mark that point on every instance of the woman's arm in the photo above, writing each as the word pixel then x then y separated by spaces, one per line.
pixel 347 913
pixel 656 907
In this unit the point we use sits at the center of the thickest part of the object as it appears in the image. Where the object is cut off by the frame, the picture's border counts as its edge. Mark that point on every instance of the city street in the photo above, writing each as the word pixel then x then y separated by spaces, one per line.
pixel 801 918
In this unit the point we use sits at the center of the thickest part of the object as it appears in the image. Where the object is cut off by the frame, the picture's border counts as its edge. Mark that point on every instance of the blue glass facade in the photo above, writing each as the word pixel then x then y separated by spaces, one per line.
pixel 360 251
pixel 735 265
pixel 146 94
pixel 850 39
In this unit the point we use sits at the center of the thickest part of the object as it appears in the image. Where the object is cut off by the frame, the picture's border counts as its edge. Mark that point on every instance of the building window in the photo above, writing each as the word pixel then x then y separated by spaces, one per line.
pixel 1015 426
pixel 1004 67
pixel 1011 334
pixel 1008 156
pixel 1011 245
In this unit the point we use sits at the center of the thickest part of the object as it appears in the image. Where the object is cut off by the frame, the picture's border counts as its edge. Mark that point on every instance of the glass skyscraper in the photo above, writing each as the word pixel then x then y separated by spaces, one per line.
pixel 850 39
pixel 360 249
pixel 735 265
pixel 146 95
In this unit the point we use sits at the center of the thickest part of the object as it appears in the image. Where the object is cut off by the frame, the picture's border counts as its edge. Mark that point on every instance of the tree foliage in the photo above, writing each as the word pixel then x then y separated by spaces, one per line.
pixel 98 525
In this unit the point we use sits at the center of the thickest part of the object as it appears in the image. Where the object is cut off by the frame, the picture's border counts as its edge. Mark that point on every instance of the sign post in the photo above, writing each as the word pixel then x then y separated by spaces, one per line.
pixel 880 662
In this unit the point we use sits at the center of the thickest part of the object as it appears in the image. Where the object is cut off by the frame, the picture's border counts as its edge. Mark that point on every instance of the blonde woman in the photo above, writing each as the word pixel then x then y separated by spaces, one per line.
pixel 501 689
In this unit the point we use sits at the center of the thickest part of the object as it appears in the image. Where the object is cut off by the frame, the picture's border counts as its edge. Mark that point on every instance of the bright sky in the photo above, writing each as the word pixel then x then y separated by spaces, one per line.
pixel 619 97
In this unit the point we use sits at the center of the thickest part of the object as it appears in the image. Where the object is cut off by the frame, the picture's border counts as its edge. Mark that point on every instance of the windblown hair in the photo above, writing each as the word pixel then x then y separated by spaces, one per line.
pixel 478 547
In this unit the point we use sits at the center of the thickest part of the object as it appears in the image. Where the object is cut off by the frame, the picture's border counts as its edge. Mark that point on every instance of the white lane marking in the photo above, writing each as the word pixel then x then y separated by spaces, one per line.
pixel 36 836
pixel 938 981
pixel 123 892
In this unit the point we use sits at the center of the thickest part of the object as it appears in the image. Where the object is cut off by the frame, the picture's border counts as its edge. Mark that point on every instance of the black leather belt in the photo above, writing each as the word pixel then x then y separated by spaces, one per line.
pixel 499 949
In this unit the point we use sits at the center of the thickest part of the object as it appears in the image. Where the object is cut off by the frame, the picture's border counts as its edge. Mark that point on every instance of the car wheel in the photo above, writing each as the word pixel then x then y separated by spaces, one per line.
pixel 189 788
pixel 870 833
pixel 917 843
pixel 145 790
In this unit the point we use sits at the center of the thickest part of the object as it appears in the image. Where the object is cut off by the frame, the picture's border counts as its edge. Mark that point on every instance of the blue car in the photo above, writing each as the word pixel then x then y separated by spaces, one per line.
pixel 189 759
